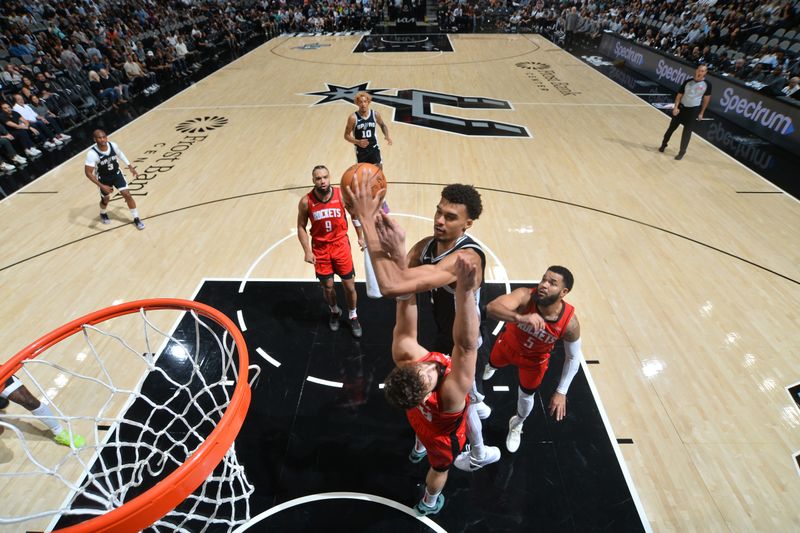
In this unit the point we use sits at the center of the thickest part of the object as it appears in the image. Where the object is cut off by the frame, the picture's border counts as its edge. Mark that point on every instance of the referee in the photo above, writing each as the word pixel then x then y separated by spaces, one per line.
pixel 690 104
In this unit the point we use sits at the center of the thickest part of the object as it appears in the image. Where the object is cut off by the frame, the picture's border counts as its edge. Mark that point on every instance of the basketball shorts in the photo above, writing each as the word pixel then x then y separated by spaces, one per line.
pixel 117 181
pixel 9 386
pixel 531 369
pixel 370 155
pixel 334 258
pixel 442 448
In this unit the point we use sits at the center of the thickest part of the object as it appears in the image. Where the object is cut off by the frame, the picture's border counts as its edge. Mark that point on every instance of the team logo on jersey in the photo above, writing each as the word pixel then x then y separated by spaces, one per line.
pixel 201 124
pixel 413 106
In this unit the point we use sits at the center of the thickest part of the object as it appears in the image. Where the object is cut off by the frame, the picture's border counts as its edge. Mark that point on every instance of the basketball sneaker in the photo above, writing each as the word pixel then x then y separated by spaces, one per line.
pixel 488 371
pixel 63 439
pixel 333 320
pixel 417 456
pixel 139 224
pixel 355 325
pixel 466 462
pixel 104 218
pixel 514 433
pixel 423 510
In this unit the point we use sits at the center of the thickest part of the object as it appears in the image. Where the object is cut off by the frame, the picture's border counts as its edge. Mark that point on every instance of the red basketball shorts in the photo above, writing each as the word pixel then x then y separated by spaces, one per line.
pixel 531 368
pixel 334 258
pixel 442 448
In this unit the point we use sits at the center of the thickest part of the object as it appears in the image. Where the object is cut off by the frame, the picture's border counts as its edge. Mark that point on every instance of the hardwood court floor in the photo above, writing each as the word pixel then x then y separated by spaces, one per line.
pixel 687 288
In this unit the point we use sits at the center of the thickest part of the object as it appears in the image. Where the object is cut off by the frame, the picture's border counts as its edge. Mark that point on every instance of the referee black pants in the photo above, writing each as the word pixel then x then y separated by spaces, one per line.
pixel 687 117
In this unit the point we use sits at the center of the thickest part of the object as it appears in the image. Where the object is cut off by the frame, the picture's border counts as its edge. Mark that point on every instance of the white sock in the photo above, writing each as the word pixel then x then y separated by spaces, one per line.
pixel 352 314
pixel 135 213
pixel 334 308
pixel 418 446
pixel 475 433
pixel 524 404
pixel 47 417
pixel 103 211
pixel 430 499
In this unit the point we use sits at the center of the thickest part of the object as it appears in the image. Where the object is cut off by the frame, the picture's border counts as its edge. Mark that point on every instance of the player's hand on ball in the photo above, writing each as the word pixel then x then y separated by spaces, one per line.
pixel 359 196
pixel 391 235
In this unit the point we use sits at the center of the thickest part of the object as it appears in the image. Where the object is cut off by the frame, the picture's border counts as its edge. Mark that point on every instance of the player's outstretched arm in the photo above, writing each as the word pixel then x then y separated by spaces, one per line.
pixel 465 336
pixel 511 308
pixel 405 347
pixel 572 361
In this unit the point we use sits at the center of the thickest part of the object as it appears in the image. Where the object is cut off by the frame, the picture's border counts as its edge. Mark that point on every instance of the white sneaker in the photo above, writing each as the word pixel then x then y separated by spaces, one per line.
pixel 33 152
pixel 468 463
pixel 514 433
pixel 56 141
pixel 488 372
pixel 483 410
pixel 19 159
pixel 49 146
pixel 5 167
pixel 63 137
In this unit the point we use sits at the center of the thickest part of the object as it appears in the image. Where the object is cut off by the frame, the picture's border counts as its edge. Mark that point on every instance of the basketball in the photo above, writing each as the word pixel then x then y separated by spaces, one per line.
pixel 365 170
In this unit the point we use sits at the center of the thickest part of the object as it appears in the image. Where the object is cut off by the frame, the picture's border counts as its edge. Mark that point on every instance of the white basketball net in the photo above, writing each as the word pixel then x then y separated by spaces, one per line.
pixel 134 436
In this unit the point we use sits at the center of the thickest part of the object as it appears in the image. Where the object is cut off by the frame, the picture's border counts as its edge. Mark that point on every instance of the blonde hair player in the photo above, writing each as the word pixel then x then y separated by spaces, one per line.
pixel 361 130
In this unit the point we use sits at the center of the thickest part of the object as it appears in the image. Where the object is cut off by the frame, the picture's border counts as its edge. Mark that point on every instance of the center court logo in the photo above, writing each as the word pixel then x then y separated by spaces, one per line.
pixel 756 112
pixel 545 77
pixel 162 157
pixel 414 106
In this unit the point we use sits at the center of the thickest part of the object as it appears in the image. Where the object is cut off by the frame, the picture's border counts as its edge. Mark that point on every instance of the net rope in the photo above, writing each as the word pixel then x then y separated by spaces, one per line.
pixel 164 419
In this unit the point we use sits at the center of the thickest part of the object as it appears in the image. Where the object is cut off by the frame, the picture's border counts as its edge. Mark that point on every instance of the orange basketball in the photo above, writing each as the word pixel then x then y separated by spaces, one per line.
pixel 365 171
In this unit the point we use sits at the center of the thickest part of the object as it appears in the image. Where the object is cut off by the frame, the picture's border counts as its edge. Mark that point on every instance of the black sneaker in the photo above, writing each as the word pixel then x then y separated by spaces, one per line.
pixel 104 218
pixel 355 325
pixel 333 321
pixel 662 148
pixel 680 156
pixel 139 224
pixel 3 402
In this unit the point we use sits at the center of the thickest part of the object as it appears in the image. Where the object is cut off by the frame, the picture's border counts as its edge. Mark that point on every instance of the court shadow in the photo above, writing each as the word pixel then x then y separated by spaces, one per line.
pixel 646 146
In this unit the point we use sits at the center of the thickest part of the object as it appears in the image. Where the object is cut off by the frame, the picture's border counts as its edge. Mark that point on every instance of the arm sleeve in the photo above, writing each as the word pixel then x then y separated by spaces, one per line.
pixel 572 362
pixel 91 158
pixel 120 154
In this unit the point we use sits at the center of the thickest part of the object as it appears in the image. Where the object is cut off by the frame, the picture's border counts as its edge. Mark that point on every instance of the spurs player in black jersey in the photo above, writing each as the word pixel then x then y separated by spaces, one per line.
pixel 362 132
pixel 430 266
pixel 102 169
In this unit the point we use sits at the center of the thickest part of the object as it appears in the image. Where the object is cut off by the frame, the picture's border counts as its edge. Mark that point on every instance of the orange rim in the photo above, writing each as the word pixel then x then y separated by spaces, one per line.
pixel 148 507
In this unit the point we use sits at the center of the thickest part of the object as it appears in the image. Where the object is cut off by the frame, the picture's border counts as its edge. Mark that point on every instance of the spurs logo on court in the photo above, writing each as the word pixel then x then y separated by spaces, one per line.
pixel 413 106
pixel 201 124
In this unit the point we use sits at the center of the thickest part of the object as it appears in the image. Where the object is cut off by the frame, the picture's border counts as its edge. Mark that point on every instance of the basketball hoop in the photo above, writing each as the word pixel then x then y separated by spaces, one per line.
pixel 184 440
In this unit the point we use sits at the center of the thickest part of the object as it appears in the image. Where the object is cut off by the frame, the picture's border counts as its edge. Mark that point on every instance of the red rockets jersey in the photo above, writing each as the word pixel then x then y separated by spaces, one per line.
pixel 328 219
pixel 538 344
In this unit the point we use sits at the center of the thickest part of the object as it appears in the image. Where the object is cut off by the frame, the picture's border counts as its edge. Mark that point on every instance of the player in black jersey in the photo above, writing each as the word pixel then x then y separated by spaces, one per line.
pixel 430 266
pixel 361 130
pixel 102 169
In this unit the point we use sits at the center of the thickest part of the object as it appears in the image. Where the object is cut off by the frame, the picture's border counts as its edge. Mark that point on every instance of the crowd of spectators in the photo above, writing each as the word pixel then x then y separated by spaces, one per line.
pixel 69 60
pixel 64 61
pixel 755 41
